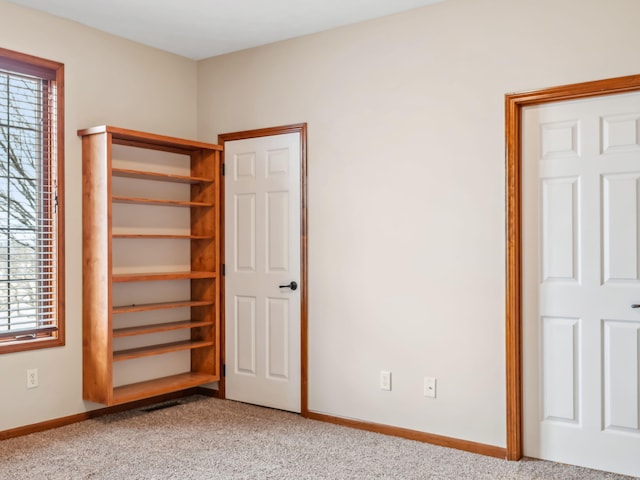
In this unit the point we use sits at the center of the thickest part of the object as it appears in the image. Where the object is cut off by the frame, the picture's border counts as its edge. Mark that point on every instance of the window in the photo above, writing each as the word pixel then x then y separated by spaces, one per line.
pixel 31 203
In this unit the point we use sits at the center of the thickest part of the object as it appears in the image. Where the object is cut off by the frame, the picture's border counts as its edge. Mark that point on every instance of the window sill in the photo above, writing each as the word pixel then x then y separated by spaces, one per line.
pixel 36 344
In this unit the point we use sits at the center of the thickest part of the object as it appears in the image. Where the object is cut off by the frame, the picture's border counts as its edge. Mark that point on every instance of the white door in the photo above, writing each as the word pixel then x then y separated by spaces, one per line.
pixel 262 250
pixel 581 278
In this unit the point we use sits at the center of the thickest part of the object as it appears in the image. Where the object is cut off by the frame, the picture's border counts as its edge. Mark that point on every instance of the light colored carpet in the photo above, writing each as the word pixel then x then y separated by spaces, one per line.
pixel 206 438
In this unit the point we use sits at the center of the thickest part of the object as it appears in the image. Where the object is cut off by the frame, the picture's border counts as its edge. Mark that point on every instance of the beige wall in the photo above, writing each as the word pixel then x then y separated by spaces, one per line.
pixel 406 186
pixel 108 80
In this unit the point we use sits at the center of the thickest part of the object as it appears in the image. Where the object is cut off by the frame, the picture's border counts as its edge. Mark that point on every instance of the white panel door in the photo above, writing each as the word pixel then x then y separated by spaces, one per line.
pixel 581 279
pixel 262 250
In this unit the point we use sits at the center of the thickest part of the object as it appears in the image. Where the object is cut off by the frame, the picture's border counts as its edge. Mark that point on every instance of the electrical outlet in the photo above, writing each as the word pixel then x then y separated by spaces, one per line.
pixel 430 387
pixel 32 378
pixel 385 380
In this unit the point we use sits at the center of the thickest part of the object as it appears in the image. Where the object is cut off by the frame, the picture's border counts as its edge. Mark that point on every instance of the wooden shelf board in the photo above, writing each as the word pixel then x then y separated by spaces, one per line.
pixel 158 327
pixel 161 177
pixel 162 203
pixel 151 236
pixel 155 276
pixel 158 386
pixel 148 140
pixel 158 349
pixel 143 307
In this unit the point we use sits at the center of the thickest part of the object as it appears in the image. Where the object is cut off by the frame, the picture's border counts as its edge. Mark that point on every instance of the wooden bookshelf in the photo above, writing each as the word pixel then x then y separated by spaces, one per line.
pixel 203 184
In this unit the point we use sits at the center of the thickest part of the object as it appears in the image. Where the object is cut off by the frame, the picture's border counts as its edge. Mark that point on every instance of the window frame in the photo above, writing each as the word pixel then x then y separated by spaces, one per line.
pixel 52 71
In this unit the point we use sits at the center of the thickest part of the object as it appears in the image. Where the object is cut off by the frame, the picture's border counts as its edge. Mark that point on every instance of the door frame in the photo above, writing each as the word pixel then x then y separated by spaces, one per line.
pixel 514 103
pixel 300 128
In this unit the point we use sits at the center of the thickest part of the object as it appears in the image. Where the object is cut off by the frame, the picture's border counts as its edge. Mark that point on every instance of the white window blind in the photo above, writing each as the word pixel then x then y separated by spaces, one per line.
pixel 28 203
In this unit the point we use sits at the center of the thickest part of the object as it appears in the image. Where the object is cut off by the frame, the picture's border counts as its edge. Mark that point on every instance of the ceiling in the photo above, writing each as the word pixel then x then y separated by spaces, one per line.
pixel 200 29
